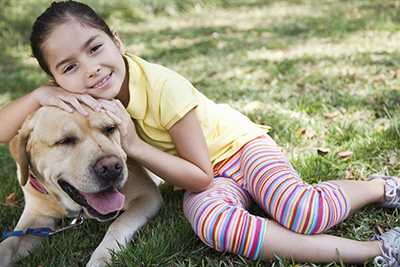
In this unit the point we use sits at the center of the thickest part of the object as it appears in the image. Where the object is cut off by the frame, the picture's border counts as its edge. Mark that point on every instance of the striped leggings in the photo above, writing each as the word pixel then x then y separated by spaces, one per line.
pixel 260 172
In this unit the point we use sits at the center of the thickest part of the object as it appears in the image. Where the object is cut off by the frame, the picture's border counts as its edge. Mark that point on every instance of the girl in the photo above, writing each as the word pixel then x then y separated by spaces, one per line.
pixel 220 157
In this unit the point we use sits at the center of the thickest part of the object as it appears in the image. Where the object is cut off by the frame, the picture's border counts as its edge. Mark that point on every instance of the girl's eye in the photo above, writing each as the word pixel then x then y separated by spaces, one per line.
pixel 68 68
pixel 95 48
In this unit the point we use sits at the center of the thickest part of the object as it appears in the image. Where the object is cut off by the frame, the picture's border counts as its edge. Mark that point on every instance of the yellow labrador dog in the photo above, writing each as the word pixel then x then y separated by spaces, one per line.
pixel 68 164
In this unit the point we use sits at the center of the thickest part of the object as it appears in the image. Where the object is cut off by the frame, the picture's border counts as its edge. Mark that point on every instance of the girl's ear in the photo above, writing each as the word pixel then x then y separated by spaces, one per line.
pixel 52 82
pixel 118 43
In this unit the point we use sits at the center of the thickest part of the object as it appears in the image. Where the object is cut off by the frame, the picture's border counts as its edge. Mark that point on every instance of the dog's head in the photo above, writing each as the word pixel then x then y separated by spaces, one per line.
pixel 78 159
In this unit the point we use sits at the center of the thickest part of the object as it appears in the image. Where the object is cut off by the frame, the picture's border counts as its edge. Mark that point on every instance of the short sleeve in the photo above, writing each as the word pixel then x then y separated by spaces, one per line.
pixel 178 97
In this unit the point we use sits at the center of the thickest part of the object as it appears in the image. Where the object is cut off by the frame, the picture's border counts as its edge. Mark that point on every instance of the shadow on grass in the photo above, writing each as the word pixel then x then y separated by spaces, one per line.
pixel 19 79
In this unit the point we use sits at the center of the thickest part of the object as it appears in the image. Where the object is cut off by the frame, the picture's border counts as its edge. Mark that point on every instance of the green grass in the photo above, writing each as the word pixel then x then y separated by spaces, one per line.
pixel 283 63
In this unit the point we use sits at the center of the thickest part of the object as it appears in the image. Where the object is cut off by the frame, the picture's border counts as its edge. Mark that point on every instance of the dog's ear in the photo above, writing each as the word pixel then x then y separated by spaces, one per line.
pixel 18 150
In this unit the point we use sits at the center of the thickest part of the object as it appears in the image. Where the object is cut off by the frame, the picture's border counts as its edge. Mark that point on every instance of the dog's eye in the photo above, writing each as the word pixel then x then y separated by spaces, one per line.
pixel 109 130
pixel 67 141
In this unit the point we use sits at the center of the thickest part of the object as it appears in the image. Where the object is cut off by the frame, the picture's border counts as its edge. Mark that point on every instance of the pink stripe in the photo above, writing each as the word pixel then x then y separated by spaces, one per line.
pixel 37 185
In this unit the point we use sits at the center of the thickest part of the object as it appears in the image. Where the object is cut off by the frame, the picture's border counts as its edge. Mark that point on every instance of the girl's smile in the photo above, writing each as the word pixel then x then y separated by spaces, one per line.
pixel 85 60
pixel 103 82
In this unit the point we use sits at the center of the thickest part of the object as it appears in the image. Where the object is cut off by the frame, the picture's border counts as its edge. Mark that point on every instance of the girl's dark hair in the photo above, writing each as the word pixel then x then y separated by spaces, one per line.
pixel 56 14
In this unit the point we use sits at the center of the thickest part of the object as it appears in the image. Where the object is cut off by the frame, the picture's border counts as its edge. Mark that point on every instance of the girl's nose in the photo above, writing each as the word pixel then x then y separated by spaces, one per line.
pixel 94 72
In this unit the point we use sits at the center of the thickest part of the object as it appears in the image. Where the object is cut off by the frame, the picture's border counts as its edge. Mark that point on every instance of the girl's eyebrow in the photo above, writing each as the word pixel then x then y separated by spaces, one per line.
pixel 84 46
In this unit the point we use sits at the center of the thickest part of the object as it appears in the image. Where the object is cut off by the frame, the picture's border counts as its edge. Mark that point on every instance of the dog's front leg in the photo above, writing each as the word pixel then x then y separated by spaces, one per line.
pixel 121 230
pixel 14 248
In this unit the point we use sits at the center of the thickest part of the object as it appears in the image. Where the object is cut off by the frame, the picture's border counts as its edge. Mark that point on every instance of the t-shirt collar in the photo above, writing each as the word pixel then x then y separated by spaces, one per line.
pixel 138 97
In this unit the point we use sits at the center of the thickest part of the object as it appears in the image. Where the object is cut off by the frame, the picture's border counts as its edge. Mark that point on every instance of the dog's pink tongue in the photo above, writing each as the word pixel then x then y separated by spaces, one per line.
pixel 105 202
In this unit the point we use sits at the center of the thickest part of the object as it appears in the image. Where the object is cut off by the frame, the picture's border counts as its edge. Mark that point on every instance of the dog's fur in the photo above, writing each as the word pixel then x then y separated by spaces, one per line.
pixel 62 150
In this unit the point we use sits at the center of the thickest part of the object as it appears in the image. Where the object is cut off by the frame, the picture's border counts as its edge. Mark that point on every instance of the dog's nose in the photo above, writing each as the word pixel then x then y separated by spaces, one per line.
pixel 108 168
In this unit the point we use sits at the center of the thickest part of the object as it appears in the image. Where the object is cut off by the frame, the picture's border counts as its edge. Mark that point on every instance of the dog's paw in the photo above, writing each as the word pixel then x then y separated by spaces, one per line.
pixel 5 256
pixel 97 261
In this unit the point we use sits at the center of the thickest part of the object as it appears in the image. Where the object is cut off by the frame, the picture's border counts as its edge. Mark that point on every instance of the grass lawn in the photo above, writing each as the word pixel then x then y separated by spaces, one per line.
pixel 323 74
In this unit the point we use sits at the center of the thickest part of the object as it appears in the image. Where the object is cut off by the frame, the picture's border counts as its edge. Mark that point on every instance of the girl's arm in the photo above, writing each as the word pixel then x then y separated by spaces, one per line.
pixel 13 115
pixel 192 170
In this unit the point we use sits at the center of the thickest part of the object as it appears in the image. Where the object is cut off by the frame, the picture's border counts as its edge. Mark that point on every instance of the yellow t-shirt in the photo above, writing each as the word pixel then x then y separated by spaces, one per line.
pixel 159 97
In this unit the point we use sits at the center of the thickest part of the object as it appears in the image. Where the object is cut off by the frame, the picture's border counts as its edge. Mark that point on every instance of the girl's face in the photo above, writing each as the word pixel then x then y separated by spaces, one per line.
pixel 85 60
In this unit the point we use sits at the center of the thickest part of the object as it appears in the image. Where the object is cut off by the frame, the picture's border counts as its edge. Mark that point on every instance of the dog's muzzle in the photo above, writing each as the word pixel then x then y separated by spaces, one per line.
pixel 103 205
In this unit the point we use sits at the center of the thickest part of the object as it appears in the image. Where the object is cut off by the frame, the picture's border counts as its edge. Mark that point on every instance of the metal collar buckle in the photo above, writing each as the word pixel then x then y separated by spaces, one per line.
pixel 78 220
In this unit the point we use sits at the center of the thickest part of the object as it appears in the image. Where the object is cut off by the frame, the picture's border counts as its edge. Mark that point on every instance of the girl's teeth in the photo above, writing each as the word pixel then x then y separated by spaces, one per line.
pixel 101 82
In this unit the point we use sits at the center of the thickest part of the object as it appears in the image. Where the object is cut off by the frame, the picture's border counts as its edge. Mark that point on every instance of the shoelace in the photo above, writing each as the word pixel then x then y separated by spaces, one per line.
pixel 391 192
pixel 390 254
pixel 381 261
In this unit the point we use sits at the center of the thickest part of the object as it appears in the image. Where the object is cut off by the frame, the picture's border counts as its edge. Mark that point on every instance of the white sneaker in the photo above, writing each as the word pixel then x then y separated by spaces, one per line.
pixel 390 248
pixel 392 190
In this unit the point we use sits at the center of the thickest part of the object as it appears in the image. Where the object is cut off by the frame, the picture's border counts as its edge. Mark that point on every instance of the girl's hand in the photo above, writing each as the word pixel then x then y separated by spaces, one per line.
pixel 129 138
pixel 49 95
